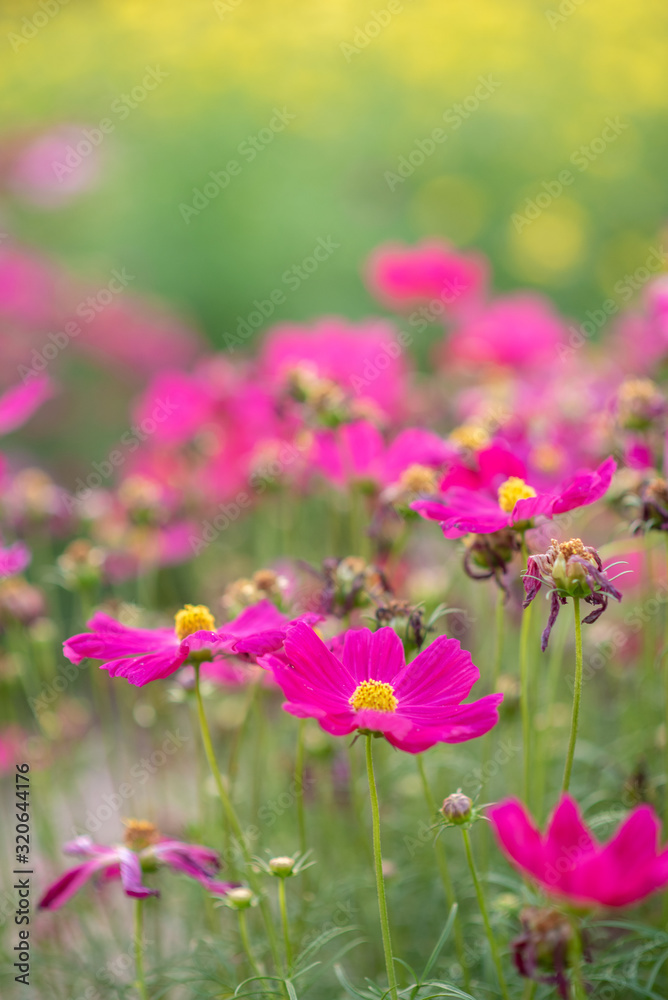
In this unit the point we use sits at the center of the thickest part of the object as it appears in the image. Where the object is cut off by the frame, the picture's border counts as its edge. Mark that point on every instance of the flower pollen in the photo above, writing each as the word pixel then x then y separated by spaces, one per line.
pixel 573 547
pixel 377 695
pixel 139 833
pixel 193 618
pixel 418 479
pixel 511 491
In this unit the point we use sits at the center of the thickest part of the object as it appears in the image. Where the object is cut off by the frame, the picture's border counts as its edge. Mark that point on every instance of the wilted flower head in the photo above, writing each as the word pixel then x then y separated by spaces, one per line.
pixel 639 403
pixel 570 569
pixel 654 504
pixel 541 951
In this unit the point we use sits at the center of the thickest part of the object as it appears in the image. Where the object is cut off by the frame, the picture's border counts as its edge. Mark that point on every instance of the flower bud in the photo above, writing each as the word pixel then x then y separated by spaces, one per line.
pixel 457 808
pixel 239 898
pixel 281 867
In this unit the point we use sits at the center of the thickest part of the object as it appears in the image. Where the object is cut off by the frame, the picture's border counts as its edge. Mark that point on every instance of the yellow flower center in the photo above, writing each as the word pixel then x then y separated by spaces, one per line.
pixel 193 618
pixel 418 479
pixel 512 490
pixel 573 547
pixel 374 694
pixel 139 833
pixel 470 436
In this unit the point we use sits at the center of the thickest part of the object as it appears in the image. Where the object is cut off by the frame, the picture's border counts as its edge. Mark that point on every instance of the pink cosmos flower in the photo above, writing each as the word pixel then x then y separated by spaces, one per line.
pixel 364 361
pixel 20 402
pixel 41 173
pixel 570 863
pixel 27 289
pixel 497 495
pixel 519 331
pixel 143 655
pixel 401 275
pixel 147 849
pixel 370 688
pixel 14 559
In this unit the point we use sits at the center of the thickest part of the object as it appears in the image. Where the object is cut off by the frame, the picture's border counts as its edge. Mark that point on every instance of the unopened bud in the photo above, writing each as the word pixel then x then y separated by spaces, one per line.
pixel 457 808
pixel 281 867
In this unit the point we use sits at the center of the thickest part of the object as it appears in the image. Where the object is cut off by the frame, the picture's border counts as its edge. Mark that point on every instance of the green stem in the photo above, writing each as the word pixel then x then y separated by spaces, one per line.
pixel 578 987
pixel 498 644
pixel 233 820
pixel 284 921
pixel 299 786
pixel 380 879
pixel 139 949
pixel 524 686
pixel 243 934
pixel 485 916
pixel 577 694
pixel 446 879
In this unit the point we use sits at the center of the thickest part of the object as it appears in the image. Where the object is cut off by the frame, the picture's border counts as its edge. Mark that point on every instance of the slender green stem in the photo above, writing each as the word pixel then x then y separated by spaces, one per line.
pixel 498 638
pixel 283 906
pixel 446 879
pixel 485 916
pixel 139 949
pixel 577 695
pixel 380 878
pixel 524 687
pixel 243 934
pixel 299 785
pixel 579 990
pixel 233 820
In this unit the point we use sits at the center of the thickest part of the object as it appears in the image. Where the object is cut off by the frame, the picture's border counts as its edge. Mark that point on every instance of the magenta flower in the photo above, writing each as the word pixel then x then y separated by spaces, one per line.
pixel 20 402
pixel 497 495
pixel 432 270
pixel 143 655
pixel 519 331
pixel 568 862
pixel 14 559
pixel 371 689
pixel 143 849
pixel 365 361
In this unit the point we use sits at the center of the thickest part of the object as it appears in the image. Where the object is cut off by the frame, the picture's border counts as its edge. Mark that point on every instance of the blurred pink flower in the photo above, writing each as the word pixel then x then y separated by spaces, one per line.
pixel 48 171
pixel 365 360
pixel 569 863
pixel 518 331
pixel 401 276
pixel 122 862
pixel 20 402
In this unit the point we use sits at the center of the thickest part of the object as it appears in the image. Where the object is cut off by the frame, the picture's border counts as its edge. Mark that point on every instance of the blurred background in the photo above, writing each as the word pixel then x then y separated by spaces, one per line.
pixel 315 121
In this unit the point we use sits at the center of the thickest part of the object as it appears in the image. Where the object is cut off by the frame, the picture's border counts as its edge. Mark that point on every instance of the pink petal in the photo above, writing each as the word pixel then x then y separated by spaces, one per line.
pixel 371 655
